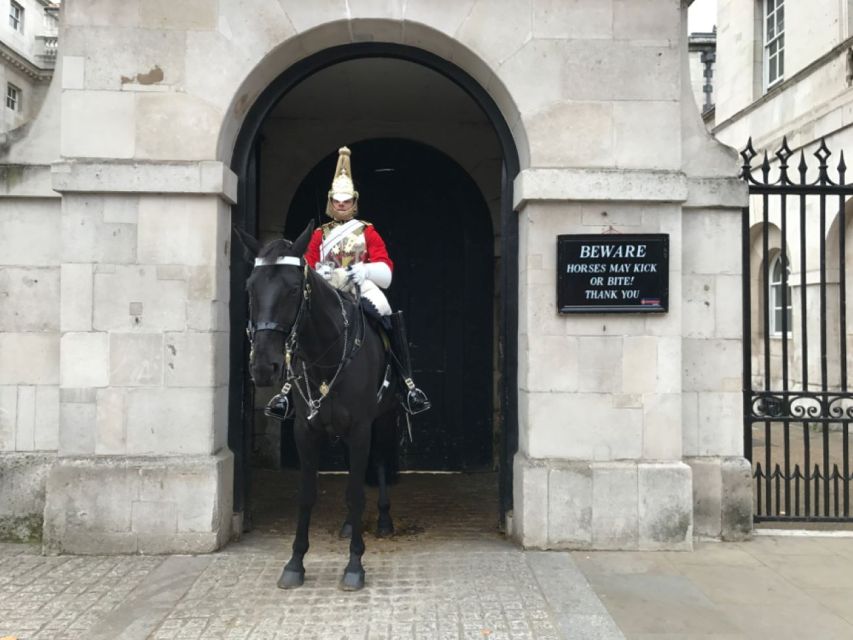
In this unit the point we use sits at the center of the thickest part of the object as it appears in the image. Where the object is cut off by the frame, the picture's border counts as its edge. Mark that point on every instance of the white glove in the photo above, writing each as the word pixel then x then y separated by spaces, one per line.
pixel 357 273
pixel 324 270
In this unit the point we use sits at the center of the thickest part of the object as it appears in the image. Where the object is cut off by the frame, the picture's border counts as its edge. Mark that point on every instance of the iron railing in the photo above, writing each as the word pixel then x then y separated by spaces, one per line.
pixel 797 406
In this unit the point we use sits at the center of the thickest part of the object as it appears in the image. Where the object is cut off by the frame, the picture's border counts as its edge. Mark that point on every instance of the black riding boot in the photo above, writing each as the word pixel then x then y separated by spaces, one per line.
pixel 413 399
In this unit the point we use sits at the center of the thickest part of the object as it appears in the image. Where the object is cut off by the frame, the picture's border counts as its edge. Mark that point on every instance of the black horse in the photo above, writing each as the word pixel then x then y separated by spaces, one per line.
pixel 317 341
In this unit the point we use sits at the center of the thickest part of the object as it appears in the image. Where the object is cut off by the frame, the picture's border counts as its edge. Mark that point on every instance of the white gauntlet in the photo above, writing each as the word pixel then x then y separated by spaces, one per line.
pixel 324 270
pixel 378 273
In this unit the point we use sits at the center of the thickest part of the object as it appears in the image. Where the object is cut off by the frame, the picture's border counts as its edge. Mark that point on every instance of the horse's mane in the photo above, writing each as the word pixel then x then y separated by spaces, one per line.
pixel 275 249
pixel 278 248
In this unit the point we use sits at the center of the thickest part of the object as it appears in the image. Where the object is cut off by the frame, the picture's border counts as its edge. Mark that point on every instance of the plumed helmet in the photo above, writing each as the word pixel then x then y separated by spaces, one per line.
pixel 342 187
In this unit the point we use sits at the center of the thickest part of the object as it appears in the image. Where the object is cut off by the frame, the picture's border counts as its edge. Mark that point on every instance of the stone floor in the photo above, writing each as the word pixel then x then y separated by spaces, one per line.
pixel 769 587
pixel 447 573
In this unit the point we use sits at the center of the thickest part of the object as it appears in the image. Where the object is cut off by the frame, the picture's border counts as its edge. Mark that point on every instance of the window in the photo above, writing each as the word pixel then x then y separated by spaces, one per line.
pixel 16 16
pixel 13 97
pixel 776 303
pixel 774 41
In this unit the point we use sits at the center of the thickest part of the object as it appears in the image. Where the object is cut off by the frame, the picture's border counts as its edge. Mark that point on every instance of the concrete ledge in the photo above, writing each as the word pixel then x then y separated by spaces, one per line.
pixel 26 181
pixel 722 497
pixel 23 477
pixel 599 184
pixel 115 504
pixel 625 505
pixel 205 177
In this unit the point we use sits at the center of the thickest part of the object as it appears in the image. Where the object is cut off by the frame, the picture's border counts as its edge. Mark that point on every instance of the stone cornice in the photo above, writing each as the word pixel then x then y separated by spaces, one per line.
pixel 26 181
pixel 121 176
pixel 20 63
pixel 599 184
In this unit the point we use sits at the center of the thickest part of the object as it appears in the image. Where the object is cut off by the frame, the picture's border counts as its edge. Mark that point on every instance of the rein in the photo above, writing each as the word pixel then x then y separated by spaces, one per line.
pixel 291 343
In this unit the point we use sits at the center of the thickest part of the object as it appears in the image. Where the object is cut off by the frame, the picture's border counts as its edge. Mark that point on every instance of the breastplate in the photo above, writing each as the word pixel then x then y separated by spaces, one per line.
pixel 350 250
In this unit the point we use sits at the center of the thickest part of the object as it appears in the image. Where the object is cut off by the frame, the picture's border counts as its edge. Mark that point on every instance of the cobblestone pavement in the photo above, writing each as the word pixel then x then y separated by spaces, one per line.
pixel 447 573
pixel 498 593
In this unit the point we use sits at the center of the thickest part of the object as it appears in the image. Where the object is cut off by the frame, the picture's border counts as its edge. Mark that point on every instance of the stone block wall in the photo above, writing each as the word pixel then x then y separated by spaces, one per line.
pixel 29 345
pixel 108 504
pixel 143 352
pixel 132 357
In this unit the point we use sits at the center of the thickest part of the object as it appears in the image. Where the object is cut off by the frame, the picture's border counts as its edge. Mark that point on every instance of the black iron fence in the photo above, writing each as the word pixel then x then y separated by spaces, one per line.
pixel 797 405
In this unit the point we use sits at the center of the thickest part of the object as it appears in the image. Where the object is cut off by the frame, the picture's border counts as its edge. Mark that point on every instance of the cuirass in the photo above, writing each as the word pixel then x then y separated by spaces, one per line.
pixel 350 250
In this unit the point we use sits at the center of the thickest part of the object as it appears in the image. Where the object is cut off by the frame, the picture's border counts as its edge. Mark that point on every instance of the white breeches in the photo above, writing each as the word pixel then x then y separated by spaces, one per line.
pixel 373 293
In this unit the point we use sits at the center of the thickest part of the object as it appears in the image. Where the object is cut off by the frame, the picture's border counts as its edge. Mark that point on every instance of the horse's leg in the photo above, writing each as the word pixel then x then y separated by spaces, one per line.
pixel 353 578
pixel 346 527
pixel 384 455
pixel 293 574
pixel 384 525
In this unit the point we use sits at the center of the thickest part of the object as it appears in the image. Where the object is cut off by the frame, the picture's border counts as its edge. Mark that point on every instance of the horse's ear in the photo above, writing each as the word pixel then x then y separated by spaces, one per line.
pixel 301 243
pixel 250 244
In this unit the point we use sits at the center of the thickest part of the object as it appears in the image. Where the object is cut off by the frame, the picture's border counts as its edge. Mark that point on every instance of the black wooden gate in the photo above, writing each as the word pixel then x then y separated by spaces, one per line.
pixel 797 403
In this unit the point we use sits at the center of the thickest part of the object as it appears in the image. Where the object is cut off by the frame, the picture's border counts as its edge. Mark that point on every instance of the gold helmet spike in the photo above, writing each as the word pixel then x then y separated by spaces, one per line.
pixel 342 187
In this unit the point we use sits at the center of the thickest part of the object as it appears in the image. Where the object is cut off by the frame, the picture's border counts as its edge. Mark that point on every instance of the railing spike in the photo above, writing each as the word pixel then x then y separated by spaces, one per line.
pixel 748 153
pixel 802 167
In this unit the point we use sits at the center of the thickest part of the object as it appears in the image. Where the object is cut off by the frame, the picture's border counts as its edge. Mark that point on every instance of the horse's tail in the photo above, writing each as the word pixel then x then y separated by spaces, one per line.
pixel 384 449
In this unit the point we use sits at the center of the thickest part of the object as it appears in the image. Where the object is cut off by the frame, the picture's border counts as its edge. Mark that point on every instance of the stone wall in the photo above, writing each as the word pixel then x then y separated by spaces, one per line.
pixel 29 345
pixel 596 96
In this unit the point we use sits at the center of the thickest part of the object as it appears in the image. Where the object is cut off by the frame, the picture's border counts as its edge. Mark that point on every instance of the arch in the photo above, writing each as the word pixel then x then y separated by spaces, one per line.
pixel 241 160
pixel 332 42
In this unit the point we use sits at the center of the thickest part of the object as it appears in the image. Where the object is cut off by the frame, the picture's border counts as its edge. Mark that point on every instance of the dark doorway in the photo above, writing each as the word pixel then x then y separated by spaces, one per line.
pixel 439 234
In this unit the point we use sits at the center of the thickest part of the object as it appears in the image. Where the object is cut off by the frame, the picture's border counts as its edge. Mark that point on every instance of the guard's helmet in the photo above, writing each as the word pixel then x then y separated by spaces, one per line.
pixel 342 188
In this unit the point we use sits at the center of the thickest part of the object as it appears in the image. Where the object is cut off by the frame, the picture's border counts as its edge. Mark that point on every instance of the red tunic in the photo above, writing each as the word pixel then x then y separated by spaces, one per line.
pixel 375 250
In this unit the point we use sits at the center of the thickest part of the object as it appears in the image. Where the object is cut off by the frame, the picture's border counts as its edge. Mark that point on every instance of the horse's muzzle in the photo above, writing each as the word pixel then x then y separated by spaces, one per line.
pixel 266 374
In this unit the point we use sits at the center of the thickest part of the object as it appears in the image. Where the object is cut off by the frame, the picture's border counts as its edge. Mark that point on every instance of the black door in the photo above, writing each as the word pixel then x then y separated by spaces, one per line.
pixel 439 234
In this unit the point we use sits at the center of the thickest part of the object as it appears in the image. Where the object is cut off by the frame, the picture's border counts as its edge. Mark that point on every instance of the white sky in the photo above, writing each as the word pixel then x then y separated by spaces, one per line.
pixel 702 15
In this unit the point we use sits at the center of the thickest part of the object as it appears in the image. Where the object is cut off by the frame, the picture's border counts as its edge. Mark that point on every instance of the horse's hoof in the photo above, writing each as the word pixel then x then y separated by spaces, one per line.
pixel 291 579
pixel 352 581
pixel 346 531
pixel 385 531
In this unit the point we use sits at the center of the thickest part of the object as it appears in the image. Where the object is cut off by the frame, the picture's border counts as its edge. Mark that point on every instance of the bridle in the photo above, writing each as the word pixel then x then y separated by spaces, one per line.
pixel 291 341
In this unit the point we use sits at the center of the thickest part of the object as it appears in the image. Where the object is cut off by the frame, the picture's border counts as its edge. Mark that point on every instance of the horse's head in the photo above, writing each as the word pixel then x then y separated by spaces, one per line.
pixel 276 300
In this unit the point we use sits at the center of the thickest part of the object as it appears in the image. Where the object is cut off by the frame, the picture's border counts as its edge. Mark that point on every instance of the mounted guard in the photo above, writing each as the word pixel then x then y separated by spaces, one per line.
pixel 351 255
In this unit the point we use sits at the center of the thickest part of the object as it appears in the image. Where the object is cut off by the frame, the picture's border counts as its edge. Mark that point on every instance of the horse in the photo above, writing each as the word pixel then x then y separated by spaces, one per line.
pixel 332 360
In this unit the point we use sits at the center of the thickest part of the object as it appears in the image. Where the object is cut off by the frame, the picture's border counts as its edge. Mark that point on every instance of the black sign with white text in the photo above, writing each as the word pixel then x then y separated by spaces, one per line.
pixel 617 273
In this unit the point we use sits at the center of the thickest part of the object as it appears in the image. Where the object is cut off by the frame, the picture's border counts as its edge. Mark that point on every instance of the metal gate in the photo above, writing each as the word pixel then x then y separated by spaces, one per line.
pixel 797 404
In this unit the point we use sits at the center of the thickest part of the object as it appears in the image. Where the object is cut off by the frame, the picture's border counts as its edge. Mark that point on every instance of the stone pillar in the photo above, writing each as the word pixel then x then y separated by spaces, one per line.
pixel 143 464
pixel 712 329
pixel 29 345
pixel 713 359
pixel 599 462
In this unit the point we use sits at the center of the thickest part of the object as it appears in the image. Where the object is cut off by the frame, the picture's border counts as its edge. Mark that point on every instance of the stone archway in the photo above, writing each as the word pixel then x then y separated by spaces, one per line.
pixel 245 164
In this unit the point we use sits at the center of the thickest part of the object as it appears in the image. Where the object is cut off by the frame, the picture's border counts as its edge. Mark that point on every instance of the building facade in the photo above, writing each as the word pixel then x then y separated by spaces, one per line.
pixel 28 45
pixel 123 408
pixel 784 75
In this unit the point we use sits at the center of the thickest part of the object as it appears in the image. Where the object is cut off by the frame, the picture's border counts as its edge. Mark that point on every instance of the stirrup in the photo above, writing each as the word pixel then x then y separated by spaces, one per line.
pixel 279 407
pixel 416 401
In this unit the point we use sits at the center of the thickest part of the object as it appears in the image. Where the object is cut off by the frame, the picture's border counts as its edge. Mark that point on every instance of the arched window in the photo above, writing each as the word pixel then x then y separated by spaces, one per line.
pixel 777 308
